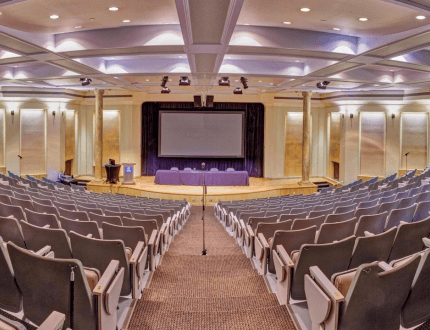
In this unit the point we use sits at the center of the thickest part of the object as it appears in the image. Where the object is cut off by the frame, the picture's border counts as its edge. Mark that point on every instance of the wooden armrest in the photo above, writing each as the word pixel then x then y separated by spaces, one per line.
pixel 283 254
pixel 250 231
pixel 47 226
pixel 55 321
pixel 368 234
pixel 325 284
pixel 242 223
pixel 137 251
pixel 164 226
pixel 384 266
pixel 153 237
pixel 168 219
pixel 90 235
pixel 426 241
pixel 50 255
pixel 105 280
pixel 43 251
pixel 263 240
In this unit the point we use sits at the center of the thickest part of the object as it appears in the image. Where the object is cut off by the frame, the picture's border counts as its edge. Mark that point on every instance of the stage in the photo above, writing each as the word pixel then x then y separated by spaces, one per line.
pixel 258 188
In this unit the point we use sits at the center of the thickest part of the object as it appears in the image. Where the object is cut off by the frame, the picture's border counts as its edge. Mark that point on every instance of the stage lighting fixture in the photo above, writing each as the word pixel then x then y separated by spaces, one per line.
pixel 184 81
pixel 85 81
pixel 164 81
pixel 323 85
pixel 238 90
pixel 244 82
pixel 224 82
pixel 165 90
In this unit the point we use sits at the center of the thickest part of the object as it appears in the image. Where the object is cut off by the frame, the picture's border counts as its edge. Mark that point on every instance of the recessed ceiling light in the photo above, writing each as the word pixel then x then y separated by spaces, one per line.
pixel 170 80
pixel 376 85
pixel 236 80
pixel 147 79
pixel 337 29
pixel 92 19
pixel 126 21
pixel 260 81
pixel 420 17
pixel 288 23
pixel 180 56
pixel 304 9
pixel 246 24
pixel 271 83
pixel 78 26
pixel 303 85
pixel 166 23
pixel 54 16
pixel 229 57
pixel 391 70
pixel 113 8
pixel 363 19
pixel 297 61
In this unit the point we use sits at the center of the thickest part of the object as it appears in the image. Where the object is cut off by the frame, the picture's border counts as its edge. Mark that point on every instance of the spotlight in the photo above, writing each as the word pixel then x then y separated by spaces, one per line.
pixel 244 82
pixel 238 90
pixel 323 85
pixel 164 81
pixel 224 82
pixel 165 90
pixel 184 81
pixel 85 81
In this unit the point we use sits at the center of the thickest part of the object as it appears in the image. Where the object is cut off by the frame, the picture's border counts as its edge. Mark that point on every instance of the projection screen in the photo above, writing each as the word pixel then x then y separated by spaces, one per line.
pixel 201 134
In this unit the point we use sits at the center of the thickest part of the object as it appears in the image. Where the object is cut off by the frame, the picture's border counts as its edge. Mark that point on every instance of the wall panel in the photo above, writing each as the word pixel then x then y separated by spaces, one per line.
pixel 111 125
pixel 372 143
pixel 414 140
pixel 293 144
pixel 334 142
pixel 33 150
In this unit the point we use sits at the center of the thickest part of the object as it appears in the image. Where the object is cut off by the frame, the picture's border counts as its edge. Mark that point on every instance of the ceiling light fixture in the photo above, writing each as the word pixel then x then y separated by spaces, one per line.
pixel 164 81
pixel 78 26
pixel 126 21
pixel 336 29
pixel 246 24
pixel 420 17
pixel 165 90
pixel 260 81
pixel 363 19
pixel 54 16
pixel 297 61
pixel 287 23
pixel 224 81
pixel 85 81
pixel 304 9
pixel 237 90
pixel 271 83
pixel 323 85
pixel 184 81
pixel 113 8
pixel 147 79
pixel 244 82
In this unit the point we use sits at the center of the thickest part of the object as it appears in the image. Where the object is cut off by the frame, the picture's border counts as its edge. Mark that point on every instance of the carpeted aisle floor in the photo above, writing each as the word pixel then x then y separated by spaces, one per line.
pixel 217 291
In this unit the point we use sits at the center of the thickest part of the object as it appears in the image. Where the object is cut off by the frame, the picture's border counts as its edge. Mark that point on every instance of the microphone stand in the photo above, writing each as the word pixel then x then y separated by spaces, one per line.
pixel 406 155
pixel 203 211
pixel 20 157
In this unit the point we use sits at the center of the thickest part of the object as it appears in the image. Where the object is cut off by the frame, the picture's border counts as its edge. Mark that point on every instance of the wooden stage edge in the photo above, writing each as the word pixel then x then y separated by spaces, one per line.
pixel 258 188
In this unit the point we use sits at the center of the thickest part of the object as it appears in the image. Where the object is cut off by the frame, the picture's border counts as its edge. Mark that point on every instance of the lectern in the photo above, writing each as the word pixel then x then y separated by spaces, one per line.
pixel 128 177
pixel 112 171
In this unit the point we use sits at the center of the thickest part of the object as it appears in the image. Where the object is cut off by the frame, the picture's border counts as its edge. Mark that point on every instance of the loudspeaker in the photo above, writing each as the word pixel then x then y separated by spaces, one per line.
pixel 209 101
pixel 198 101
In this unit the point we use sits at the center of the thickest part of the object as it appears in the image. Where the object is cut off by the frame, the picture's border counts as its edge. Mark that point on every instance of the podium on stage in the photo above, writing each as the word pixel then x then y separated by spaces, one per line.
pixel 128 177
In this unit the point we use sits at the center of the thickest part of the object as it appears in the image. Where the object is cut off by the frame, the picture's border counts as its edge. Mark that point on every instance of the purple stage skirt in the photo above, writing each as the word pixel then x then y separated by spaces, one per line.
pixel 191 178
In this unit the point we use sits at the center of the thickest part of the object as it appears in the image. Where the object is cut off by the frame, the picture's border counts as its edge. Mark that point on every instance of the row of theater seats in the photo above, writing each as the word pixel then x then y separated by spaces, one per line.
pixel 358 257
pixel 78 252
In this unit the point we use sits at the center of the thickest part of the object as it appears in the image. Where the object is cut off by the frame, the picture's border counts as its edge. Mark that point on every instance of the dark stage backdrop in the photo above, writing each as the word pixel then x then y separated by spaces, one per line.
pixel 254 139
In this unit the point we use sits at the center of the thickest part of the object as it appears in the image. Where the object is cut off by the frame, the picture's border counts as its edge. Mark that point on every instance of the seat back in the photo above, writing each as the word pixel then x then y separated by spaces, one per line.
pixel 325 213
pixel 104 218
pixel 406 215
pixel 292 217
pixel 306 223
pixel 416 309
pixel 86 205
pixel 372 248
pixel 41 219
pixel 406 202
pixel 408 239
pixel 331 258
pixel 301 210
pixel 10 296
pixel 376 297
pixel 5 199
pixel 42 201
pixel 332 218
pixel 387 199
pixel 50 278
pixel 129 235
pixel 122 215
pixel 345 209
pixel 254 221
pixel 269 229
pixel 373 223
pixel 422 211
pixel 102 252
pixel 88 210
pixel 10 231
pixel 323 207
pixel 111 208
pixel 278 213
pixel 387 207
pixel 148 225
pixel 366 211
pixel 330 232
pixel 37 237
pixel 73 215
pixel 12 210
pixel 245 216
pixel 368 204
pixel 292 240
pixel 22 196
pixel 424 197
pixel 81 227
pixel 164 213
pixel 156 217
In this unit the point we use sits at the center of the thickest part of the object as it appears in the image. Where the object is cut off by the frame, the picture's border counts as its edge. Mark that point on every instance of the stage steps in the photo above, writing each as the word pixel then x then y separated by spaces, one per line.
pixel 218 291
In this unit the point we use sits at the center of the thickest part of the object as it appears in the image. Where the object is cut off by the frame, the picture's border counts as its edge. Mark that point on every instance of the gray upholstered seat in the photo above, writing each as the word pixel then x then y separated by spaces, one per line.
pixel 372 248
pixel 111 208
pixel 424 197
pixel 5 199
pixel 86 205
pixel 373 223
pixel 10 296
pixel 387 207
pixel 10 231
pixel 314 214
pixel 278 213
pixel 122 215
pixel 88 210
pixel 366 211
pixel 345 209
pixel 104 218
pixel 69 207
pixel 40 208
pixel 368 204
pixel 324 207
pixel 81 227
pixel 332 218
pixel 422 211
pixel 301 210
pixel 292 217
pixel 309 222
pixel 73 215
pixel 42 219
pixel 395 216
pixel 25 204
pixel 131 236
pixel 34 273
pixel 42 201
pixel 250 231
pixel 406 202
pixel 330 232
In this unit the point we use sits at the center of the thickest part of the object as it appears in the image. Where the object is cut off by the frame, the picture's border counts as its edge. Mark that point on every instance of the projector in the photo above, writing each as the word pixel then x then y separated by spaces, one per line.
pixel 224 82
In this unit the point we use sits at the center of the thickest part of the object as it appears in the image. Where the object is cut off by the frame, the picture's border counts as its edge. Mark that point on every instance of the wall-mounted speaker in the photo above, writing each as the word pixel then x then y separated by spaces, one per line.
pixel 198 101
pixel 209 101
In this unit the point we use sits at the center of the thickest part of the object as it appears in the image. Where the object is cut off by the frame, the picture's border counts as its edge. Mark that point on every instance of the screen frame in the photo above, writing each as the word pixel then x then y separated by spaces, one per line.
pixel 242 155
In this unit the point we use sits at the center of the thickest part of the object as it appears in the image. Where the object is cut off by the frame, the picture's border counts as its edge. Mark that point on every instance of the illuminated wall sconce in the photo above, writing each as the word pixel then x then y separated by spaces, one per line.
pixel 53 113
pixel 393 115
pixel 351 115
pixel 13 115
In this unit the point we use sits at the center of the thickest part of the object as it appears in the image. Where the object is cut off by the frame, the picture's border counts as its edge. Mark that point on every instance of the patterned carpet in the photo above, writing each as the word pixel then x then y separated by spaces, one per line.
pixel 217 291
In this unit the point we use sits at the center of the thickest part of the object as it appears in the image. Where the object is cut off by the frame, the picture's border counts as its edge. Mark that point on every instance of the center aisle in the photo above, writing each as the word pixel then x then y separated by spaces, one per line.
pixel 217 291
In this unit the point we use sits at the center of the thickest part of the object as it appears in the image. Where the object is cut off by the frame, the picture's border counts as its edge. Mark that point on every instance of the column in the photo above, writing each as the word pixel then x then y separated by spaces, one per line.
pixel 306 147
pixel 98 136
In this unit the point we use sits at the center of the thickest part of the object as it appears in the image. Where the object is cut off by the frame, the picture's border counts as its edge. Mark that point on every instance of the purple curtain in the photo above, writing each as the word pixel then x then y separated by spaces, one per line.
pixel 254 139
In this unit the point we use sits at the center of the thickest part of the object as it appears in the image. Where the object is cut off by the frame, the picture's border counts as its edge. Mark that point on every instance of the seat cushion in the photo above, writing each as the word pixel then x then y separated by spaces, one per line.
pixel 92 278
pixel 344 281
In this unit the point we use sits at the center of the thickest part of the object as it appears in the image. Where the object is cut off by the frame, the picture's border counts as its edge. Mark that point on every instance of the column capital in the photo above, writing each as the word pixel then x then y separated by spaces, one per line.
pixel 307 93
pixel 99 91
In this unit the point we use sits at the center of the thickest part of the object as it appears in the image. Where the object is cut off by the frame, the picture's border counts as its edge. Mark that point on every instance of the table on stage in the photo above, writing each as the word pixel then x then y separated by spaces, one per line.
pixel 195 178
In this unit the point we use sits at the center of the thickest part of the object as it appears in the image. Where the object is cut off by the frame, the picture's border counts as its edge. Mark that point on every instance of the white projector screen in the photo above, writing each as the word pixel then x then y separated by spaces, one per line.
pixel 201 134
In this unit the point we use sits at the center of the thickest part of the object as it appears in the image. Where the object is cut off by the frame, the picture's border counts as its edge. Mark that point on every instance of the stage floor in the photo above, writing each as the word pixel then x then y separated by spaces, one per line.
pixel 258 188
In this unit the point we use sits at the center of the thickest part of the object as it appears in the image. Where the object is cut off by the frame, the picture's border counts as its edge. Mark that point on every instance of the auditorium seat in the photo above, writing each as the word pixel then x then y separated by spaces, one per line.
pixel 387 207
pixel 293 217
pixel 249 231
pixel 122 215
pixel 86 228
pixel 406 202
pixel 5 199
pixel 88 210
pixel 397 215
pixel 104 218
pixel 309 222
pixel 371 203
pixel 330 258
pixel 10 231
pixel 329 302
pixel 332 218
pixel 372 223
pixel 330 232
pixel 345 209
pixel 34 273
pixel 40 208
pixel 42 201
pixel 366 211
pixel 325 213
pixel 42 219
pixel 24 204
pixel 73 215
